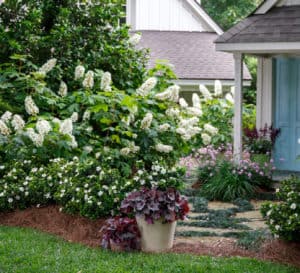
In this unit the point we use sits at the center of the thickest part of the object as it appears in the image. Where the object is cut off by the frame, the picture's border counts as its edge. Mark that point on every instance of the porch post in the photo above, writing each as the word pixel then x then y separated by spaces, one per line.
pixel 238 105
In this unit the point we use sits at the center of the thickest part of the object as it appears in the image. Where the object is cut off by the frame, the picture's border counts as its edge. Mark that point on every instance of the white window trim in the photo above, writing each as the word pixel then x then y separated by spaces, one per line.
pixel 196 83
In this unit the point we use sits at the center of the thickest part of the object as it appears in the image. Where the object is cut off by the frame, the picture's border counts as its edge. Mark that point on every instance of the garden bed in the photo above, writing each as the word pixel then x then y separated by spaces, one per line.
pixel 87 232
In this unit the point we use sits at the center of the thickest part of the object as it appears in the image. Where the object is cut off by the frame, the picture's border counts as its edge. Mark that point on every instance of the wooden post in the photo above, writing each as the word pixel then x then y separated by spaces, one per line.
pixel 238 108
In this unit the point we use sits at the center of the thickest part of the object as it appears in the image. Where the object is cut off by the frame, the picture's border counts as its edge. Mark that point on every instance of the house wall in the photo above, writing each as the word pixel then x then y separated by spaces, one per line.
pixel 264 92
pixel 166 15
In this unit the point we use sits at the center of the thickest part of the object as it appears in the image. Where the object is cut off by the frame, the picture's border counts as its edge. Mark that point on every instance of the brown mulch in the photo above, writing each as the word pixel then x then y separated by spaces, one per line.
pixel 79 229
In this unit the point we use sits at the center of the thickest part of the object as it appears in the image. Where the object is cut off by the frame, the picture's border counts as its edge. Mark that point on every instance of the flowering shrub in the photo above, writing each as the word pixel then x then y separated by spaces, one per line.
pixel 153 204
pixel 222 179
pixel 284 218
pixel 122 232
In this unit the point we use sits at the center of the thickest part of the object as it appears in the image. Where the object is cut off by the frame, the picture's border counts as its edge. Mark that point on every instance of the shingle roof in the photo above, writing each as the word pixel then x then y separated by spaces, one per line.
pixel 280 24
pixel 193 54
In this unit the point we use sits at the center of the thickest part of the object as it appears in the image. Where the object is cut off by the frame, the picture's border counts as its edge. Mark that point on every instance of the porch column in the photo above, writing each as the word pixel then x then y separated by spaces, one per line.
pixel 238 108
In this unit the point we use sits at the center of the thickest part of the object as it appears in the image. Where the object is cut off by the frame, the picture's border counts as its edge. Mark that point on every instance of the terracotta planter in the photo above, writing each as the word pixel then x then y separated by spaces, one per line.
pixel 157 237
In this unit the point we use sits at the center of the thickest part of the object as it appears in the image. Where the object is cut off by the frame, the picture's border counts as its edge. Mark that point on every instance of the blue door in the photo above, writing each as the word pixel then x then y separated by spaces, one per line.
pixel 287 113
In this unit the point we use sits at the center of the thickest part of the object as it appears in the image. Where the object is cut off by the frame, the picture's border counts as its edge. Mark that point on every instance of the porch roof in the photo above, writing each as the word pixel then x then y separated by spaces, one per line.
pixel 277 31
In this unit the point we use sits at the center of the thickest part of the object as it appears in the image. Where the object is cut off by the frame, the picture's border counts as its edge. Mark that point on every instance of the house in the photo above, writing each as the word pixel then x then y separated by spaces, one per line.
pixel 272 34
pixel 181 32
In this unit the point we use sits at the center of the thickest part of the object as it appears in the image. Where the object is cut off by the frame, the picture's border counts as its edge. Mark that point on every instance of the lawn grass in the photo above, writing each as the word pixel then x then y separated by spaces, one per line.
pixel 29 251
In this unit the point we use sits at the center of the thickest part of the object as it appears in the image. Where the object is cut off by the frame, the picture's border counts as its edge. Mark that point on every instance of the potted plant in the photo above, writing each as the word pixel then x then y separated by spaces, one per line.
pixel 120 234
pixel 156 214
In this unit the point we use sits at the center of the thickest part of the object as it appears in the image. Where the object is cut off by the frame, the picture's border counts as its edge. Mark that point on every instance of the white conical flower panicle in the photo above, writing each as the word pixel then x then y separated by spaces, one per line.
pixel 63 89
pixel 18 123
pixel 232 91
pixel 164 127
pixel 211 129
pixel 218 88
pixel 6 117
pixel 4 130
pixel 37 139
pixel 193 111
pixel 146 122
pixel 205 92
pixel 135 39
pixel 88 81
pixel 66 127
pixel 183 103
pixel 86 115
pixel 196 101
pixel 106 82
pixel 171 94
pixel 43 127
pixel 31 107
pixel 187 128
pixel 206 139
pixel 79 72
pixel 172 112
pixel 229 98
pixel 163 148
pixel 48 66
pixel 74 117
pixel 147 86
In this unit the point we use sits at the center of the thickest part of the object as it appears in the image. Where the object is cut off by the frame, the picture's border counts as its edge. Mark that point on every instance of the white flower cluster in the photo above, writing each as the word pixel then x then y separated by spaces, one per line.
pixel 206 139
pixel 146 121
pixel 43 127
pixel 88 81
pixel 6 117
pixel 146 87
pixel 106 82
pixel 205 92
pixel 171 94
pixel 187 128
pixel 18 123
pixel 211 129
pixel 36 138
pixel 86 115
pixel 164 127
pixel 163 148
pixel 196 109
pixel 218 88
pixel 131 149
pixel 4 130
pixel 63 89
pixel 173 112
pixel 135 39
pixel 229 98
pixel 48 66
pixel 75 117
pixel 183 103
pixel 79 72
pixel 31 107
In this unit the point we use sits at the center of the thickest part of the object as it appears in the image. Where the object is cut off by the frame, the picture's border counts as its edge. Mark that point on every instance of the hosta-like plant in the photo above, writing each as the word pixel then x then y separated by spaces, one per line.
pixel 153 204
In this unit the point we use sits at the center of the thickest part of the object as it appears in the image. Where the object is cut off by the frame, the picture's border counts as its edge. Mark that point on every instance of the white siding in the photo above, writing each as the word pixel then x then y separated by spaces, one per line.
pixel 288 3
pixel 168 15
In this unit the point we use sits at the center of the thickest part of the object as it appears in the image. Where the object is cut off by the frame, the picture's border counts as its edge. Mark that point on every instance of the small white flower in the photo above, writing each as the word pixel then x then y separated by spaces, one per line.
pixel 135 39
pixel 277 227
pixel 147 86
pixel 79 72
pixel 293 206
pixel 30 106
pixel 48 66
pixel 88 81
pixel 10 200
pixel 106 82
pixel 63 89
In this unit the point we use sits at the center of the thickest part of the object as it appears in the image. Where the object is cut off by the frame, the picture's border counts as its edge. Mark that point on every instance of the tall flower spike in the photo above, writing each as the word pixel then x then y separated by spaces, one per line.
pixel 63 89
pixel 146 122
pixel 163 148
pixel 229 98
pixel 88 81
pixel 17 123
pixel 6 117
pixel 106 82
pixel 183 103
pixel 218 88
pixel 4 130
pixel 31 107
pixel 135 39
pixel 196 101
pixel 66 127
pixel 147 86
pixel 79 72
pixel 43 127
pixel 205 92
pixel 48 66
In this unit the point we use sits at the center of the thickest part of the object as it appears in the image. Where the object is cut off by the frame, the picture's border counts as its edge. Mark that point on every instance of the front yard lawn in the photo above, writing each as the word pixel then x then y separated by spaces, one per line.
pixel 25 250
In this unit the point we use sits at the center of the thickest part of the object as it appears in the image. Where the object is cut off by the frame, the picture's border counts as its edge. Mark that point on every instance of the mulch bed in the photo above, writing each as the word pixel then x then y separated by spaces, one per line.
pixel 79 229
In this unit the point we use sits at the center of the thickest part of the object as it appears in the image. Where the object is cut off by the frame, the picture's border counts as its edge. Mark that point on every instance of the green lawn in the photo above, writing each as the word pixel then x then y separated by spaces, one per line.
pixel 26 251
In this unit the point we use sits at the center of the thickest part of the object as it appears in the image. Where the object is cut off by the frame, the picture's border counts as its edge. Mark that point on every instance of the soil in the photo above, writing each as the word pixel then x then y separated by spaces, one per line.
pixel 81 230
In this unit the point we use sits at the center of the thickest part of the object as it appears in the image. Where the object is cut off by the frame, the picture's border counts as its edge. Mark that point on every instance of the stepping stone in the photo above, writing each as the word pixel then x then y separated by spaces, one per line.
pixel 203 229
pixel 256 225
pixel 220 205
pixel 257 204
pixel 255 214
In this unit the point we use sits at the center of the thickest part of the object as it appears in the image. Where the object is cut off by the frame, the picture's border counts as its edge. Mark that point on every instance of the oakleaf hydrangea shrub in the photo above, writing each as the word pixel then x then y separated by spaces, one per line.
pixel 283 218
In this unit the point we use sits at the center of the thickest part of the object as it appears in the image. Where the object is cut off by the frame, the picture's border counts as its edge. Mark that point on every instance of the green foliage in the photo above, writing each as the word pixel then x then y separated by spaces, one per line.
pixel 228 12
pixel 283 218
pixel 253 240
pixel 86 32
